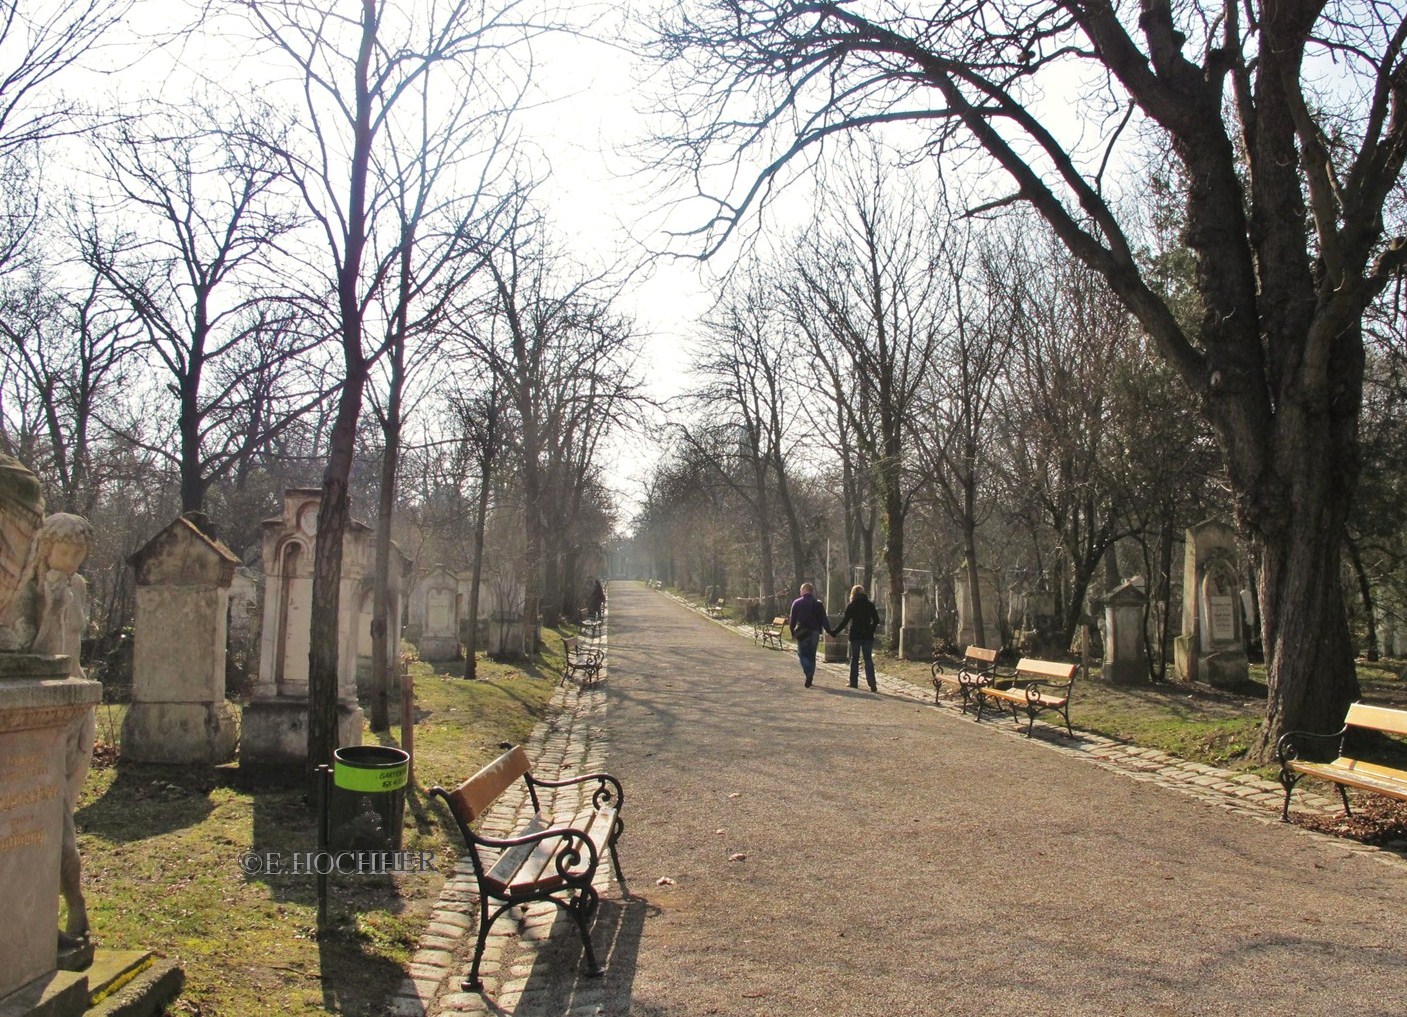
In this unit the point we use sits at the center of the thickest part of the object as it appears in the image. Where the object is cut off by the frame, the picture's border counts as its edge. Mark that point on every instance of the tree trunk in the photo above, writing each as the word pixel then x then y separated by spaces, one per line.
pixel 381 590
pixel 1365 592
pixel 471 646
pixel 894 562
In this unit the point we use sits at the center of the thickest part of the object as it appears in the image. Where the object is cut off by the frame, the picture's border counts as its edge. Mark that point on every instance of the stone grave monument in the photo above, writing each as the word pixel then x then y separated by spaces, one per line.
pixel 1210 648
pixel 434 608
pixel 991 609
pixel 47 730
pixel 916 634
pixel 275 723
pixel 836 648
pixel 1125 646
pixel 179 713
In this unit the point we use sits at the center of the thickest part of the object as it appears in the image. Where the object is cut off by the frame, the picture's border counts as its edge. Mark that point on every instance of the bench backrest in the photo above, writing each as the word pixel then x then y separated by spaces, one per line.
pixel 778 622
pixel 1377 718
pixel 1051 669
pixel 475 795
pixel 980 653
pixel 569 643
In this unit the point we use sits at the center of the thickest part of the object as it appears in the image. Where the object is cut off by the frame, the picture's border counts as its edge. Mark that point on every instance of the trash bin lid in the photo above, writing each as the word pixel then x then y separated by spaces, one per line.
pixel 370 768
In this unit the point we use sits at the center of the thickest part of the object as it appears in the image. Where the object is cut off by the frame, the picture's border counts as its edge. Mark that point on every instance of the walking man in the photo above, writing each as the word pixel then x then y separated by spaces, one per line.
pixel 807 621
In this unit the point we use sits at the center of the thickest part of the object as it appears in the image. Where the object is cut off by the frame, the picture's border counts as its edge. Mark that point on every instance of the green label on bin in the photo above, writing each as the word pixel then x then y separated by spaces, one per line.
pixel 360 778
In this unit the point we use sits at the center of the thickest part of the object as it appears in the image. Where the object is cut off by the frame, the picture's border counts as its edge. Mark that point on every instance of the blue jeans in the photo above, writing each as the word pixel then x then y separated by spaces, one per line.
pixel 806 653
pixel 858 646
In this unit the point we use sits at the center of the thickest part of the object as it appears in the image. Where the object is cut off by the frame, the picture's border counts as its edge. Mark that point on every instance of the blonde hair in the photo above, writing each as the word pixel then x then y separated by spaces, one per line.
pixel 859 591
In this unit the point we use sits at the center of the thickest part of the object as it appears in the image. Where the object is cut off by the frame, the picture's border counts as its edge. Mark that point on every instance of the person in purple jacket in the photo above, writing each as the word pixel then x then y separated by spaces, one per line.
pixel 807 621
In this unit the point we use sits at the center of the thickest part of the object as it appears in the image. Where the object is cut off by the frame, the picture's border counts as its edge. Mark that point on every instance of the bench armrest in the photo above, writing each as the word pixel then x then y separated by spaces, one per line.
pixel 1292 743
pixel 608 791
pixel 568 859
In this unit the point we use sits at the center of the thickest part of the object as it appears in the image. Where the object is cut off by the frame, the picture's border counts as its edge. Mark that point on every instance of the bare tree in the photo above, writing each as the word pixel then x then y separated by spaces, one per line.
pixel 202 211
pixel 364 70
pixel 1275 363
pixel 868 294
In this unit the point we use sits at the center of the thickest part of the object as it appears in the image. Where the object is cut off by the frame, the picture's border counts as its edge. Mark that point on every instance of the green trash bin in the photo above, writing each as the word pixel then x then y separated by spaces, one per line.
pixel 367 803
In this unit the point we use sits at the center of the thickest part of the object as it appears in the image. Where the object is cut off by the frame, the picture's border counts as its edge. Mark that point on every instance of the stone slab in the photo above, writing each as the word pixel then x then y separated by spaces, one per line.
pixel 147 994
pixel 57 994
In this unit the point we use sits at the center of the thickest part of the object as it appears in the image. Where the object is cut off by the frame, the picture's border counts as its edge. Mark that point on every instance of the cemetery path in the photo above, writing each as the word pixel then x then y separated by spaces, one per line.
pixel 833 851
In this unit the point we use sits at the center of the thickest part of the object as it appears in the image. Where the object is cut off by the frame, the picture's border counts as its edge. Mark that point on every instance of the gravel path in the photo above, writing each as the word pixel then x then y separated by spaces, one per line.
pixel 830 851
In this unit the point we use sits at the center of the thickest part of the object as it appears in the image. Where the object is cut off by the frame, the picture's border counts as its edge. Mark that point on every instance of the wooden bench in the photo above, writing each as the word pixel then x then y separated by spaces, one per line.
pixel 1345 771
pixel 714 610
pixel 581 663
pixel 544 861
pixel 770 635
pixel 978 668
pixel 1039 686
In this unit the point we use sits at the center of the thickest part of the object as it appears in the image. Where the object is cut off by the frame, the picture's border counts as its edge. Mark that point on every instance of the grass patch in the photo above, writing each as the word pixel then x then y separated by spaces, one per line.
pixel 161 853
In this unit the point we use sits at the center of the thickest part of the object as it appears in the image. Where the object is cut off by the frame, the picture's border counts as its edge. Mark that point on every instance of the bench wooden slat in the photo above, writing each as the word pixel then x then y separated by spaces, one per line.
pixel 1051 669
pixel 1383 780
pixel 1377 718
pixel 478 792
pixel 1020 696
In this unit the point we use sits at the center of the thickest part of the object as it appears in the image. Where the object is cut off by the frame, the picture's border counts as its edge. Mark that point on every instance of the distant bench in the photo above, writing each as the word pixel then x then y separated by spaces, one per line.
pixel 714 610
pixel 543 861
pixel 769 634
pixel 1345 771
pixel 1039 686
pixel 580 663
pixel 978 668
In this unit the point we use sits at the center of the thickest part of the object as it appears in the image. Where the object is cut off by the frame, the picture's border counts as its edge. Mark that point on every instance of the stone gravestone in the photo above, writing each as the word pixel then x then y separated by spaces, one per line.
pixel 916 634
pixel 1210 648
pixel 46 743
pixel 435 608
pixel 275 723
pixel 836 648
pixel 179 713
pixel 1125 646
pixel 363 539
pixel 991 610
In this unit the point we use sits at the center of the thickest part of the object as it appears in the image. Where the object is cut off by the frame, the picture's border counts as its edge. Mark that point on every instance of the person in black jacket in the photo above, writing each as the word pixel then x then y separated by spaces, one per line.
pixel 863 618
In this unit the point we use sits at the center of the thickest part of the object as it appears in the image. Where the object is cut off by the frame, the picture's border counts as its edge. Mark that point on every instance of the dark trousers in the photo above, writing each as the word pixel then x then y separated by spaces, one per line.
pixel 865 646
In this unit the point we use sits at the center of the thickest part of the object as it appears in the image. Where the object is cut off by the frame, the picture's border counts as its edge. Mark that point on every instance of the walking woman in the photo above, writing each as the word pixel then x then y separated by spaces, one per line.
pixel 863 619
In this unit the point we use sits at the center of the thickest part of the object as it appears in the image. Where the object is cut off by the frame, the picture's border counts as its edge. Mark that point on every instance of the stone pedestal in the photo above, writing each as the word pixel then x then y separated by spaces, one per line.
pixel 179 713
pixel 1210 648
pixel 991 613
pixel 836 649
pixel 1125 647
pixel 38 702
pixel 916 633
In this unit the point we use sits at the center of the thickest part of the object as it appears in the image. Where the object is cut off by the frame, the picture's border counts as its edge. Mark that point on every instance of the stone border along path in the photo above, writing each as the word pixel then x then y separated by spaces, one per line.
pixel 573 741
pixel 570 741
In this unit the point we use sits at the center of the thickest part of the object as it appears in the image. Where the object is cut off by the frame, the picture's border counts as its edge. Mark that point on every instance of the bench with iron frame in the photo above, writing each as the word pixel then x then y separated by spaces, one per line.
pixel 544 861
pixel 978 668
pixel 1038 685
pixel 581 663
pixel 1345 771
pixel 770 635
pixel 714 610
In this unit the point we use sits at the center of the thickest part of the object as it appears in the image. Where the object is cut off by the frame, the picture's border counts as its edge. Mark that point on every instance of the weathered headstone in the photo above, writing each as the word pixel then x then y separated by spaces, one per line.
pixel 179 713
pixel 916 634
pixel 1210 648
pixel 991 609
pixel 275 723
pixel 1125 646
pixel 434 607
